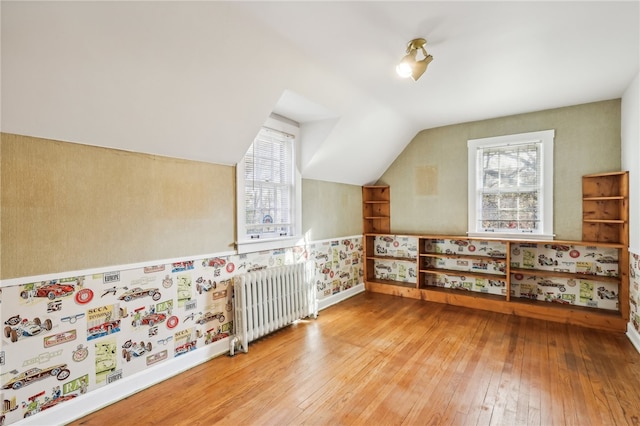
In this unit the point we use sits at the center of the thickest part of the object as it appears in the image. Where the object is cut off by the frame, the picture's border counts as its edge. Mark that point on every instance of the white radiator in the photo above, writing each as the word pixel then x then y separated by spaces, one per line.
pixel 269 299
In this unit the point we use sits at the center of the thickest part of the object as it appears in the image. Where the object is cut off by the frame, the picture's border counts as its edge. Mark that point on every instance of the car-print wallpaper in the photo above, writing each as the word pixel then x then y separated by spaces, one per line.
pixel 634 290
pixel 67 336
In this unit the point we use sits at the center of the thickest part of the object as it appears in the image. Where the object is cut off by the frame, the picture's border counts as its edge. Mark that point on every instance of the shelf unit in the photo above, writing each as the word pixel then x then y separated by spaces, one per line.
pixel 576 282
pixel 460 263
pixel 376 209
pixel 391 259
pixel 605 207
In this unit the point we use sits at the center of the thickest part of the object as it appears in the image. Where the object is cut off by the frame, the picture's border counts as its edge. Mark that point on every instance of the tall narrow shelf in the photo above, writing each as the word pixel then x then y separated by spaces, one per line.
pixel 376 218
pixel 376 209
pixel 605 218
pixel 605 207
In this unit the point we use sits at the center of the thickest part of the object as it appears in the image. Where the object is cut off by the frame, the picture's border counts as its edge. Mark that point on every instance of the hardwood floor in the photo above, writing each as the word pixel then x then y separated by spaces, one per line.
pixel 381 360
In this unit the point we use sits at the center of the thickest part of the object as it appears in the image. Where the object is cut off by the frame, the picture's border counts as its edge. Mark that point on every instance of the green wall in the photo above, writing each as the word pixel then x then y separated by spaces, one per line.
pixel 428 180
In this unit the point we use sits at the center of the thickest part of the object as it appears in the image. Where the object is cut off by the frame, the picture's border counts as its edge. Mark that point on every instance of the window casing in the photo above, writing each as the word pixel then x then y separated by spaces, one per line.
pixel 511 186
pixel 268 189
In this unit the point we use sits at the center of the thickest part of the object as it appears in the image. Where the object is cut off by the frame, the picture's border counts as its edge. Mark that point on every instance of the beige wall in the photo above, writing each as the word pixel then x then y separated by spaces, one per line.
pixel 429 179
pixel 67 207
pixel 330 210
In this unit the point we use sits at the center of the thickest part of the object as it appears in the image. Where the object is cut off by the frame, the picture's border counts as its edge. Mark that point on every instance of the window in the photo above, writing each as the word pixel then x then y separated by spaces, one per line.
pixel 511 186
pixel 269 188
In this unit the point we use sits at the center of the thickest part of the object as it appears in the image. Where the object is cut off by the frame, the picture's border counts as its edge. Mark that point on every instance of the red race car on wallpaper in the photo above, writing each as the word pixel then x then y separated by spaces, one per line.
pixel 103 329
pixel 138 292
pixel 51 291
pixel 151 319
pixel 186 347
pixel 216 262
pixel 59 371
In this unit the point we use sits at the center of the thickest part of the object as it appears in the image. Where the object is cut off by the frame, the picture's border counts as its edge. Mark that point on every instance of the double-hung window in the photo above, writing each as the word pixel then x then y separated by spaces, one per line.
pixel 269 189
pixel 511 186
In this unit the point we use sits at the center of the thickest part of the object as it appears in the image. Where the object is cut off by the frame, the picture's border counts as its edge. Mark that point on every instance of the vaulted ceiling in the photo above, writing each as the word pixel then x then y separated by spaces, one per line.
pixel 196 80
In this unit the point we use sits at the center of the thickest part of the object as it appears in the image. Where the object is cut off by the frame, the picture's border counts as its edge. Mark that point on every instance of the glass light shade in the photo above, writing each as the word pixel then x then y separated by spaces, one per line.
pixel 404 70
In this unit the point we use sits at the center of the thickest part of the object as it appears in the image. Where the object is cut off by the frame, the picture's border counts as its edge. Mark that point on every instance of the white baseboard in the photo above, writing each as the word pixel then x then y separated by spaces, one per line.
pixel 100 398
pixel 634 336
pixel 339 297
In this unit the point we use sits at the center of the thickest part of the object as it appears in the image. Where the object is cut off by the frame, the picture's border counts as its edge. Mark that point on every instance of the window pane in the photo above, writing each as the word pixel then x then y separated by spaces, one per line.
pixel 510 187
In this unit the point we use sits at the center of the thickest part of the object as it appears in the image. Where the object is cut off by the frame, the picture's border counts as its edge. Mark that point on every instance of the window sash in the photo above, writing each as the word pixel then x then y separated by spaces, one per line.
pixel 509 188
pixel 269 185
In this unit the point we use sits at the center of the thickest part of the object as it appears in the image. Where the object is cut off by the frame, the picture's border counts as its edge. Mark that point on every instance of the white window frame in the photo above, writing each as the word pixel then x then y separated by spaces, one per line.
pixel 246 245
pixel 546 137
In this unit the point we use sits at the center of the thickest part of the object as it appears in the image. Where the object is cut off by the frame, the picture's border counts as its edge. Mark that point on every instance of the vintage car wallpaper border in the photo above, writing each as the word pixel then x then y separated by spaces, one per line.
pixel 634 291
pixel 65 337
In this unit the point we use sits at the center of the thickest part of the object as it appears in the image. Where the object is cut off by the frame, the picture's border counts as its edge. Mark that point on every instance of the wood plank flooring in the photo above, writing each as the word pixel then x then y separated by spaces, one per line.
pixel 384 360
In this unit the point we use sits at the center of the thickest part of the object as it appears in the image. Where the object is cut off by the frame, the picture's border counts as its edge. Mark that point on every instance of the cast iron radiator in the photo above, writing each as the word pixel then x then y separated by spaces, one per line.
pixel 270 299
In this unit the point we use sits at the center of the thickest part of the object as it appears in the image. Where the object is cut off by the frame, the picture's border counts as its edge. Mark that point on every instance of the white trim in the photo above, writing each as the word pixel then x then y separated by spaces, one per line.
pixel 634 336
pixel 108 394
pixel 547 139
pixel 328 240
pixel 269 244
pixel 520 236
pixel 92 271
pixel 339 297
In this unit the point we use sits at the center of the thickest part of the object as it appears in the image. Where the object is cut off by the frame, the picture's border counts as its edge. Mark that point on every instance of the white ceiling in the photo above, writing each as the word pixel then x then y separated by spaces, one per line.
pixel 197 79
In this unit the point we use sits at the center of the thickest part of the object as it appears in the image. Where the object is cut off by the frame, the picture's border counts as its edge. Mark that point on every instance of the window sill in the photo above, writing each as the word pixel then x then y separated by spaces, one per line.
pixel 243 247
pixel 522 236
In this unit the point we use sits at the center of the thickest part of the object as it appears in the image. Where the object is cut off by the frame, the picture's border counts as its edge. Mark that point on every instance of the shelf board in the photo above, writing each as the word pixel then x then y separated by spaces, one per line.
pixel 456 291
pixel 596 175
pixel 554 305
pixel 614 221
pixel 375 201
pixel 613 197
pixel 376 217
pixel 569 275
pixel 456 273
pixel 393 283
pixel 392 259
pixel 464 238
pixel 387 234
pixel 464 256
pixel 603 244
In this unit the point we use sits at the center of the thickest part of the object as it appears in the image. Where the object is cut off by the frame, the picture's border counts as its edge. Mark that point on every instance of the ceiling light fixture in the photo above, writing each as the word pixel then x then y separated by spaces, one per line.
pixel 410 66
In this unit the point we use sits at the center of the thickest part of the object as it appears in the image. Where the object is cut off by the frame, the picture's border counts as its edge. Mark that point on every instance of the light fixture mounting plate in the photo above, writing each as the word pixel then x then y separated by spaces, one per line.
pixel 415 44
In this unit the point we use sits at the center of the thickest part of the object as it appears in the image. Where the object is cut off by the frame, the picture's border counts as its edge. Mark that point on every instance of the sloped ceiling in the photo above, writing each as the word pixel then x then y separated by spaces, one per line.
pixel 196 80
